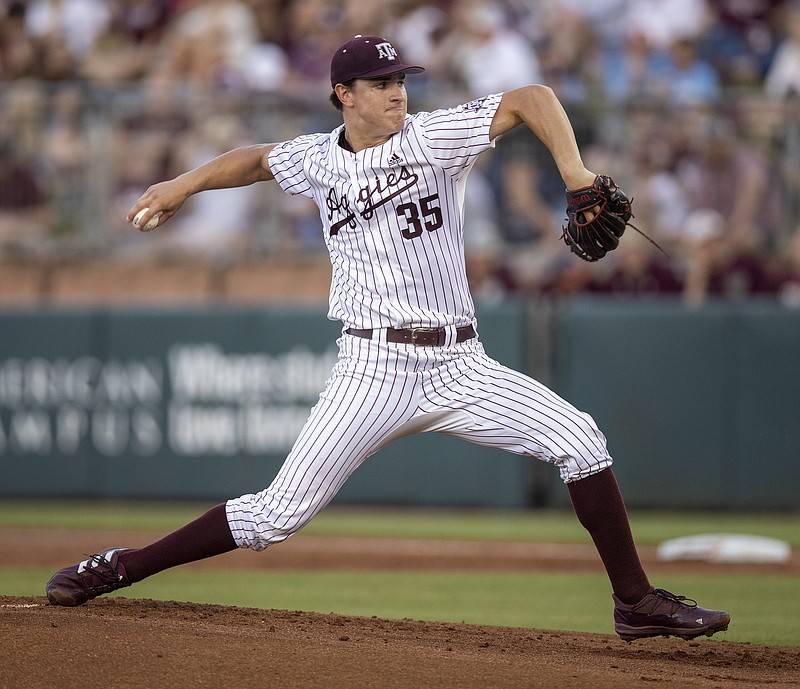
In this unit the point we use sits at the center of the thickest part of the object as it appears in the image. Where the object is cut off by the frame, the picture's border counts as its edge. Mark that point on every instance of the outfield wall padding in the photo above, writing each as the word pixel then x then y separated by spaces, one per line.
pixel 699 406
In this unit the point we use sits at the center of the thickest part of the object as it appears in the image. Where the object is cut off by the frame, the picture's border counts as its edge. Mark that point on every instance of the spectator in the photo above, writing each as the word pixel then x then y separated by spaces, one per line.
pixel 525 194
pixel 530 225
pixel 312 35
pixel 212 226
pixel 144 20
pixel 720 264
pixel 23 108
pixel 24 211
pixel 78 22
pixel 489 277
pixel 741 39
pixel 675 75
pixel 270 19
pixel 568 276
pixel 126 49
pixel 485 54
pixel 662 203
pixel 600 18
pixel 64 160
pixel 418 27
pixel 490 280
pixel 19 54
pixel 627 72
pixel 722 173
pixel 783 76
pixel 143 146
pixel 686 79
pixel 362 17
pixel 209 42
pixel 284 47
pixel 639 271
pixel 787 161
pixel 662 22
pixel 565 55
pixel 66 30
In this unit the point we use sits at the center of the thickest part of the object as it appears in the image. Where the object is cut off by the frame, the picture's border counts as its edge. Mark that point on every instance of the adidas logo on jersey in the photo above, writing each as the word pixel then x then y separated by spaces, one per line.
pixel 394 159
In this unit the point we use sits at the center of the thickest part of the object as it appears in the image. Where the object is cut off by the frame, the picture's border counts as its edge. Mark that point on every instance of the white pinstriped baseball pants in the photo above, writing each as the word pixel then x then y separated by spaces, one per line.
pixel 379 392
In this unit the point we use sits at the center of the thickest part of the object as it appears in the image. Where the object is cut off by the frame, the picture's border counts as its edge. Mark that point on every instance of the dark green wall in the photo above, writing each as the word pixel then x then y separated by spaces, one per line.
pixel 698 406
pixel 206 404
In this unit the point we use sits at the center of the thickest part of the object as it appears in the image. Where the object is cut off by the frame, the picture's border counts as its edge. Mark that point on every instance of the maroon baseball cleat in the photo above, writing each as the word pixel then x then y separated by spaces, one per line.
pixel 77 584
pixel 661 613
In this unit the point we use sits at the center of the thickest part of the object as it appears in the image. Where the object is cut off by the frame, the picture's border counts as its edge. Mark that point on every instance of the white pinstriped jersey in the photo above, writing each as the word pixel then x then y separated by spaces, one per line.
pixel 392 215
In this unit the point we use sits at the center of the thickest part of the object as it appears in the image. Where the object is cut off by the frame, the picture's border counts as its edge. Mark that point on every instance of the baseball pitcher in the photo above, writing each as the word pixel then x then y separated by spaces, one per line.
pixel 390 190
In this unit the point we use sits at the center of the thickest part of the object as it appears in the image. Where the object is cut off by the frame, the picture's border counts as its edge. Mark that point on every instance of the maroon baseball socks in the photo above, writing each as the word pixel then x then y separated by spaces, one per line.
pixel 206 536
pixel 596 499
pixel 601 510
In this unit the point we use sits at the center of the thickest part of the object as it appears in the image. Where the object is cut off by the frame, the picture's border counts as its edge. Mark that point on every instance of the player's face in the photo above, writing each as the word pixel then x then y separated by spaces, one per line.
pixel 380 104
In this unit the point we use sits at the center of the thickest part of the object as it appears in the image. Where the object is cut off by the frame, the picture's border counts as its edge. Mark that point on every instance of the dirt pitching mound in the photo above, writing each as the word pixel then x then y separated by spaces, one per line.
pixel 123 643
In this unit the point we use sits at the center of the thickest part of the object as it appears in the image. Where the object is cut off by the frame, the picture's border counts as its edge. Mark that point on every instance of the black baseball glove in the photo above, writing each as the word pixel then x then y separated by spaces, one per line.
pixel 591 239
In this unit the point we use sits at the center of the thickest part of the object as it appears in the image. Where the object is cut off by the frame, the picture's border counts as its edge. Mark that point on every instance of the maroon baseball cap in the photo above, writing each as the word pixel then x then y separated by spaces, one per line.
pixel 367 57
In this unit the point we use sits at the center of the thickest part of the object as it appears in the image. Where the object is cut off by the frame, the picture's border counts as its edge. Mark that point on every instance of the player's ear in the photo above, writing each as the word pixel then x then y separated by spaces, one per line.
pixel 344 93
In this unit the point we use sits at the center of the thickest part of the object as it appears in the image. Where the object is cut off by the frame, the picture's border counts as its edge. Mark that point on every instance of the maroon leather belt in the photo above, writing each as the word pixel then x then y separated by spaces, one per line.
pixel 421 337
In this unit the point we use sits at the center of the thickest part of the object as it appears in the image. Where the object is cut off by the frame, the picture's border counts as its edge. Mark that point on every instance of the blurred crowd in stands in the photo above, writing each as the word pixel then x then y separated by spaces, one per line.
pixel 693 106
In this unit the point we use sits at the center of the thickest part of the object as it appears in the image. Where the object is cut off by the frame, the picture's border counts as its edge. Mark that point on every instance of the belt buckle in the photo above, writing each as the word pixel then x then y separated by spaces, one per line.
pixel 416 331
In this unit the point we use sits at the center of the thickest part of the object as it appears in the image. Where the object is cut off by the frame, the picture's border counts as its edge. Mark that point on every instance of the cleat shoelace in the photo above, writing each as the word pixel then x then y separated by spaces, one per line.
pixel 678 600
pixel 101 570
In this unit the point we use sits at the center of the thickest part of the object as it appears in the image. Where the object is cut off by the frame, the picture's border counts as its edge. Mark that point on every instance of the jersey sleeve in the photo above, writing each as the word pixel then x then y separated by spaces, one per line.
pixel 455 136
pixel 287 161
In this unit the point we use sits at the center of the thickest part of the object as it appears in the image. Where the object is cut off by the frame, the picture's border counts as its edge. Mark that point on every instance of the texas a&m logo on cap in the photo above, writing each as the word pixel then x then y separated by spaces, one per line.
pixel 386 51
pixel 368 57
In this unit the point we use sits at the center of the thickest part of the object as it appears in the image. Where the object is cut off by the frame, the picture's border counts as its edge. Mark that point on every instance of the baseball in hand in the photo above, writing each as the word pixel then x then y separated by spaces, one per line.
pixel 151 224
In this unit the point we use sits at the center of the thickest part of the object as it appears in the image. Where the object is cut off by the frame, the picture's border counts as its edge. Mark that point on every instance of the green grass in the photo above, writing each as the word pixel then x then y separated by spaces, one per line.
pixel 765 608
pixel 553 526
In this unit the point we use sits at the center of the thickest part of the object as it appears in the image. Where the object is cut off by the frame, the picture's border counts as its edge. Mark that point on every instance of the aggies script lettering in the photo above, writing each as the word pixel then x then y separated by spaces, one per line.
pixel 370 197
